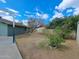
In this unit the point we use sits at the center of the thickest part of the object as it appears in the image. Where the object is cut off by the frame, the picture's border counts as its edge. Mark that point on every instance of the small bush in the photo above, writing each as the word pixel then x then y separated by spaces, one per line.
pixel 63 32
pixel 55 40
pixel 66 34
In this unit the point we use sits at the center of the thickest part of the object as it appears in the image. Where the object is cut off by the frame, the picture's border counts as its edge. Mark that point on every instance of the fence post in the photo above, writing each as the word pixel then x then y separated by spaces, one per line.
pixel 77 36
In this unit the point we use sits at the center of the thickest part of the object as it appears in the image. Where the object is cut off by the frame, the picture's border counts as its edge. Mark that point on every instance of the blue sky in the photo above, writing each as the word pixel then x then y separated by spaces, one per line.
pixel 47 9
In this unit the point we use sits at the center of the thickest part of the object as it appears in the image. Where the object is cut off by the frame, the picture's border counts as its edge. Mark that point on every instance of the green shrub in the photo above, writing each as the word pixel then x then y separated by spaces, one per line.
pixel 55 40
pixel 62 32
pixel 66 34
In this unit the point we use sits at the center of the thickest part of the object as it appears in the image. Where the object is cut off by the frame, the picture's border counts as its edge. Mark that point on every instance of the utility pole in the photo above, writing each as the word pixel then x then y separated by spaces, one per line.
pixel 14 40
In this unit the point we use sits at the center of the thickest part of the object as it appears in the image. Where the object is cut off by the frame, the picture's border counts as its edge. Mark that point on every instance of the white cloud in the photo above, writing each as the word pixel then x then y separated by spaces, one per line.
pixel 57 15
pixel 76 11
pixel 10 18
pixel 70 10
pixel 25 22
pixel 69 4
pixel 38 14
pixel 16 13
pixel 38 10
pixel 29 15
pixel 12 10
pixel 43 16
pixel 27 12
pixel 5 15
pixel 3 1
pixel 3 12
pixel 17 21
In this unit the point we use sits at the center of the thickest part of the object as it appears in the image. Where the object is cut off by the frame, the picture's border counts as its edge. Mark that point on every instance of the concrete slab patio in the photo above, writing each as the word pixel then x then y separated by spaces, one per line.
pixel 8 50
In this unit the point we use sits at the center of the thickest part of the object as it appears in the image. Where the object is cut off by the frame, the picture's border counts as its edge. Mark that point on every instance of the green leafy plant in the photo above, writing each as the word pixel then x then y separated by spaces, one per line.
pixel 64 32
pixel 55 38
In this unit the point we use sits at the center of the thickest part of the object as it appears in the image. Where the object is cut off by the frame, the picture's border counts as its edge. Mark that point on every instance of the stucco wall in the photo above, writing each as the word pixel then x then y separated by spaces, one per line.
pixel 18 30
pixel 7 30
pixel 3 29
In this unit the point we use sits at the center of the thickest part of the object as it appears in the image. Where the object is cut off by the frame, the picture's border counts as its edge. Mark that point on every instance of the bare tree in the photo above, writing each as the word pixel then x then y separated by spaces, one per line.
pixel 34 23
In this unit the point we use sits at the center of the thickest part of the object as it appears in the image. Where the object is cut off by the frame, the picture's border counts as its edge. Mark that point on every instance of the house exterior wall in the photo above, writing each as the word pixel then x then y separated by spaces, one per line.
pixel 3 29
pixel 18 30
pixel 7 30
pixel 10 30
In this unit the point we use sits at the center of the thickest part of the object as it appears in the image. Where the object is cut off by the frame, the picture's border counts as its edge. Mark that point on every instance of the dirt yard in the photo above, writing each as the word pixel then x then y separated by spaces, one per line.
pixel 29 50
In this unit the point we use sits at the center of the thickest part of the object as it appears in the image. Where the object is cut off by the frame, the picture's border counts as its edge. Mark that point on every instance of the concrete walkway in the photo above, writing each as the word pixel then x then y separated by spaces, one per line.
pixel 8 50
